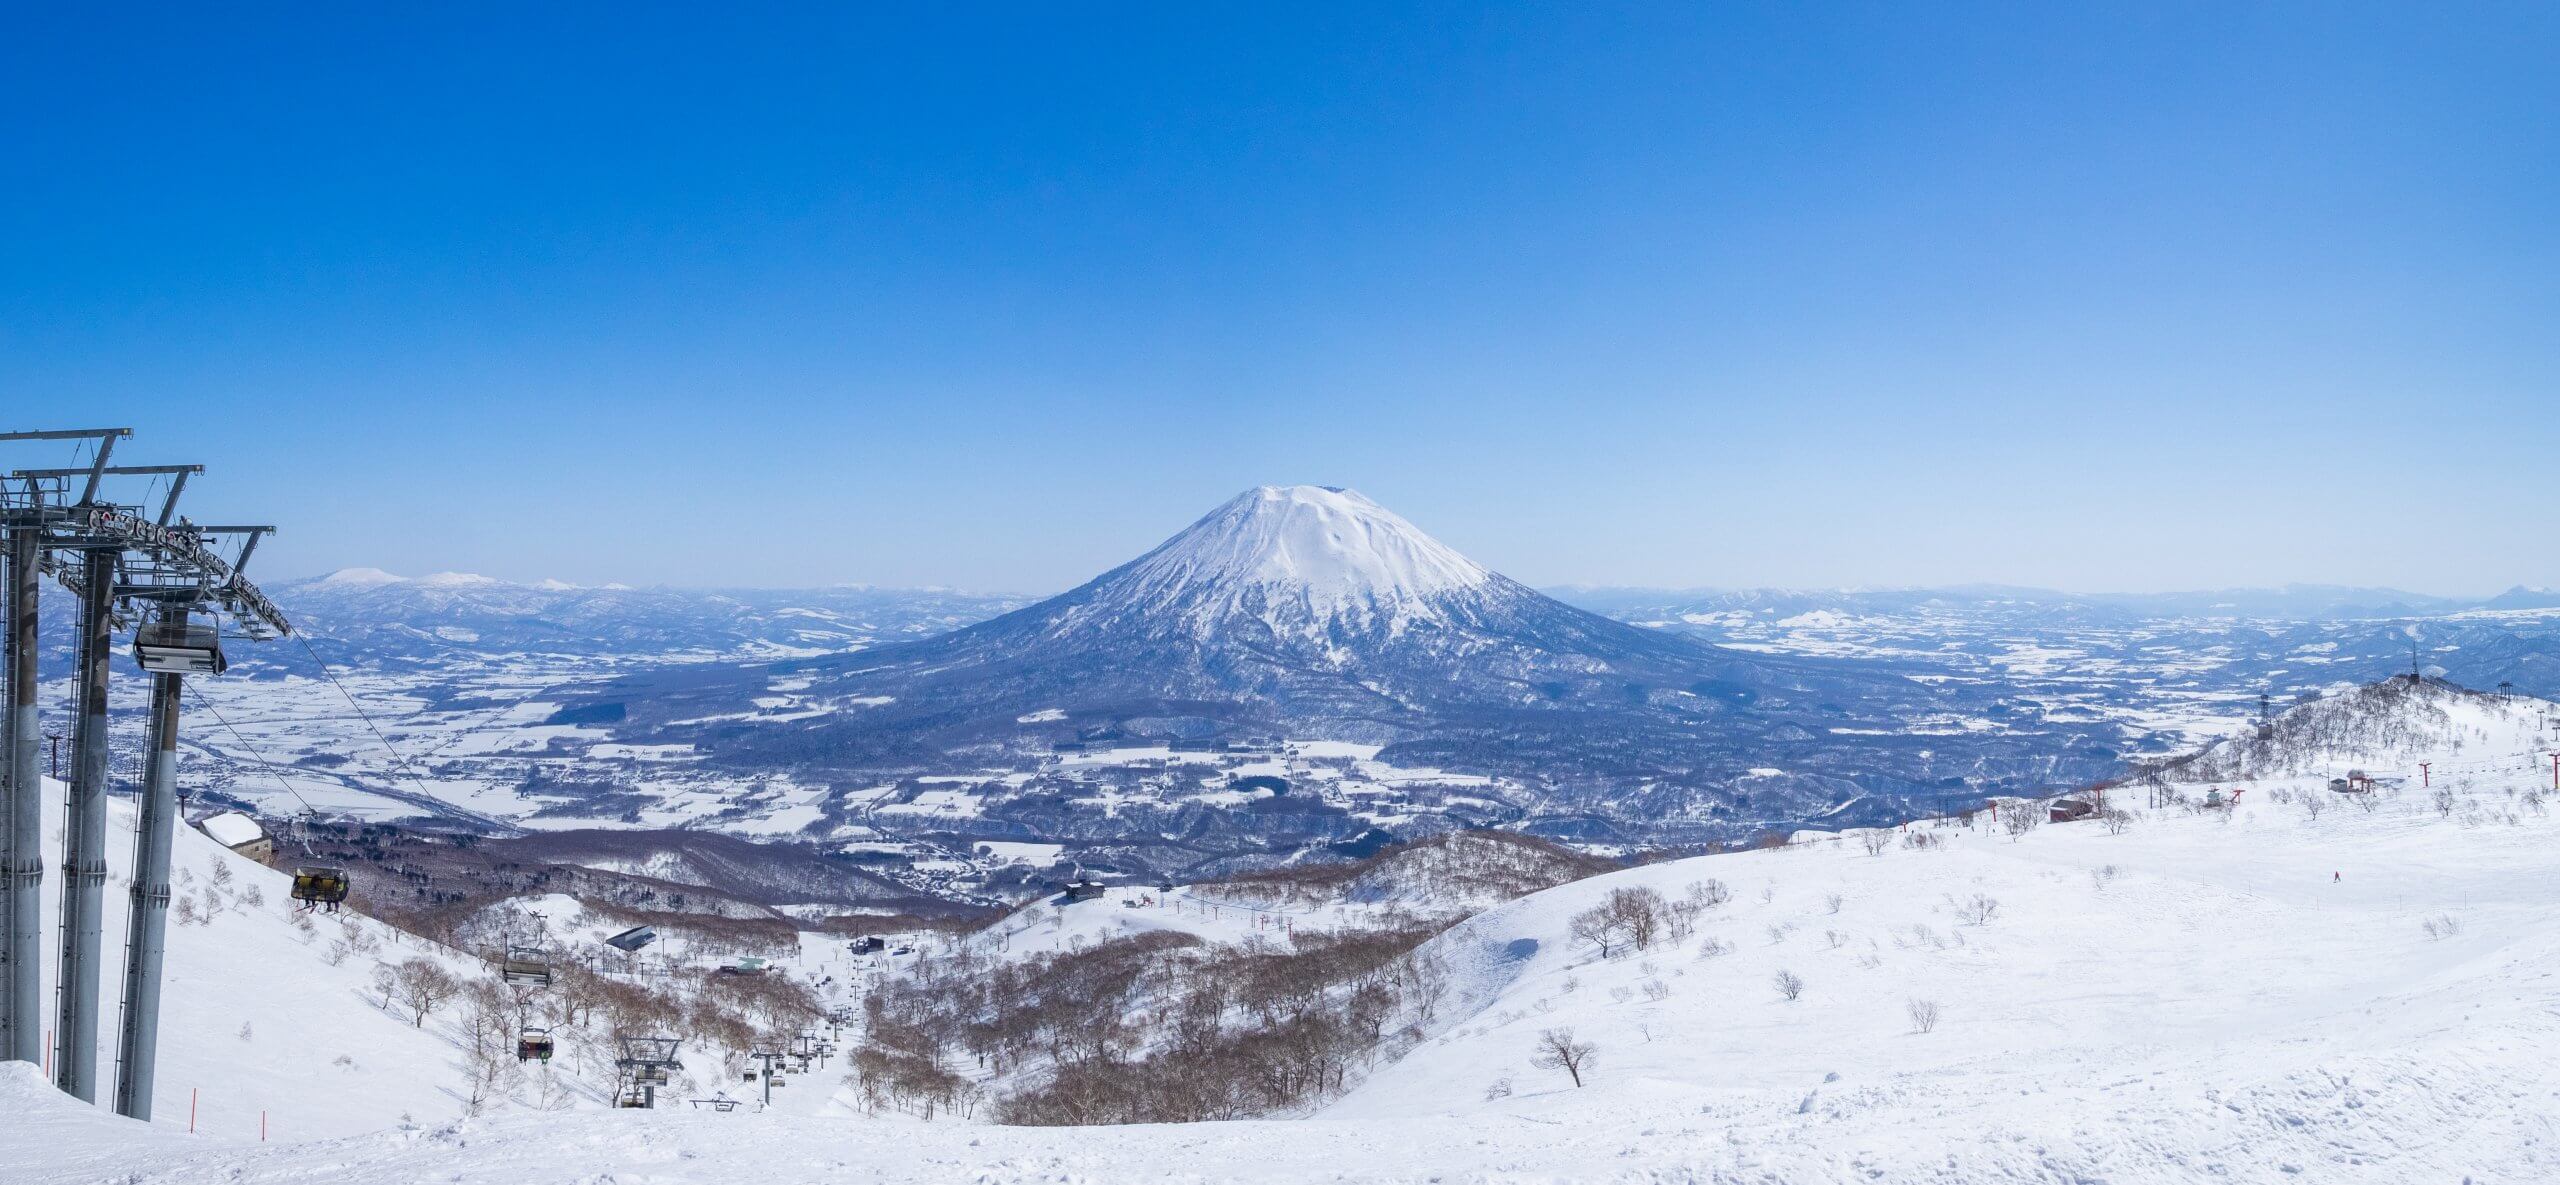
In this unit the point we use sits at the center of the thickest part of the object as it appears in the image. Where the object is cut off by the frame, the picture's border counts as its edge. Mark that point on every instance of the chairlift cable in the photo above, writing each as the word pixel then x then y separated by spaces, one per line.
pixel 400 759
pixel 261 758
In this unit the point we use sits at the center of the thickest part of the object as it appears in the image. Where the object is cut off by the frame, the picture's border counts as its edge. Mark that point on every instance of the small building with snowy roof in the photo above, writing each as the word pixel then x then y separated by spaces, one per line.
pixel 241 834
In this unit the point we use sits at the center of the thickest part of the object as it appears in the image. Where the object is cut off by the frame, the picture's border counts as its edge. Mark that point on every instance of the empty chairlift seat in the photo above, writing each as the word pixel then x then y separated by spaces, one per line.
pixel 525 967
pixel 320 888
pixel 178 648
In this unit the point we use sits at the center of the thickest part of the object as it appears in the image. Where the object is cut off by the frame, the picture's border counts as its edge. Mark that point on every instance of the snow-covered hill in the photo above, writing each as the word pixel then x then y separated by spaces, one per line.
pixel 2387 727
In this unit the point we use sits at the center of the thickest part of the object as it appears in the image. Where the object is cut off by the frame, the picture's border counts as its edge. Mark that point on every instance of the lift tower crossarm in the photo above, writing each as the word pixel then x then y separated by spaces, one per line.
pixel 247 545
pixel 107 471
pixel 177 486
pixel 67 434
pixel 97 470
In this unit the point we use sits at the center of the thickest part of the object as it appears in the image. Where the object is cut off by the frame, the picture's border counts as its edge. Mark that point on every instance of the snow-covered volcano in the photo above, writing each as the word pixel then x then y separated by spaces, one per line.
pixel 1285 607
pixel 1321 579
pixel 1313 613
pixel 1296 558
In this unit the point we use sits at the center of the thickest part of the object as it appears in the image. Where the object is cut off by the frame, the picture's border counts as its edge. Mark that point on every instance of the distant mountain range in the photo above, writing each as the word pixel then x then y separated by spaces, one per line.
pixel 367 615
pixel 2293 602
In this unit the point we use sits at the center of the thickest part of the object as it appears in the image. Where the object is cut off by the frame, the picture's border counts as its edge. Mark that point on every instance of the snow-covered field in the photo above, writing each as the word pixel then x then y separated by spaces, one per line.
pixel 2256 994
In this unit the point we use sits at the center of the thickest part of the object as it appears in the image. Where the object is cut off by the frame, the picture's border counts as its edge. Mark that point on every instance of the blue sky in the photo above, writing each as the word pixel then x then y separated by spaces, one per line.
pixel 2150 297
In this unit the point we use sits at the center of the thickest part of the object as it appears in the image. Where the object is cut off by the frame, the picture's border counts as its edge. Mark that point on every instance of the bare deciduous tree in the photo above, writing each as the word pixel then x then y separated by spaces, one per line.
pixel 1924 1015
pixel 1628 919
pixel 1876 841
pixel 1789 984
pixel 1708 893
pixel 2116 820
pixel 418 985
pixel 1599 928
pixel 1557 1050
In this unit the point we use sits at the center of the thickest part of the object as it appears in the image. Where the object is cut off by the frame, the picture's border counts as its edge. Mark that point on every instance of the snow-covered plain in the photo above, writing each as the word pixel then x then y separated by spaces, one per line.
pixel 2257 994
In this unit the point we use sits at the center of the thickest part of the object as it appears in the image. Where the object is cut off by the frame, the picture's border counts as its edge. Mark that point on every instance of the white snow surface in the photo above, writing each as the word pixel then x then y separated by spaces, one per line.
pixel 261 1019
pixel 1330 552
pixel 232 829
pixel 2252 995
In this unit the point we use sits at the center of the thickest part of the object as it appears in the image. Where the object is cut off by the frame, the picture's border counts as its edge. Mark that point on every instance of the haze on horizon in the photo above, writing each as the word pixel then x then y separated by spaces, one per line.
pixel 999 298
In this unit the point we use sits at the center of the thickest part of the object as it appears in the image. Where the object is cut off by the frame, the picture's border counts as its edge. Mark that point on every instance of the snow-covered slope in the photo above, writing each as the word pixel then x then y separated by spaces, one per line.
pixel 261 1014
pixel 2275 992
pixel 2388 727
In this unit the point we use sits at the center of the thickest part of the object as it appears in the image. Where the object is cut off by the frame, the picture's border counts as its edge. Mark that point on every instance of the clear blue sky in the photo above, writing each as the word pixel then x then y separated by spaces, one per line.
pixel 2167 296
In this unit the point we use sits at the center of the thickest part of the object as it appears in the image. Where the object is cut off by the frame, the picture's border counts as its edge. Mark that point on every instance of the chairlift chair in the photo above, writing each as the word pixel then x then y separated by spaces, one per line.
pixel 179 648
pixel 320 888
pixel 533 1045
pixel 524 967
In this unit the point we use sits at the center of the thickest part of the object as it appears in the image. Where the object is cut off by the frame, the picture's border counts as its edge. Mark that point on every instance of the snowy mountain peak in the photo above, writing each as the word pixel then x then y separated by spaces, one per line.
pixel 1316 551
pixel 358 578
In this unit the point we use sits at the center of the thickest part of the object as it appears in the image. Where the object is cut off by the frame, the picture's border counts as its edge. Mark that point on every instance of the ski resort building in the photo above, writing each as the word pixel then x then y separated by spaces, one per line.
pixel 241 834
pixel 1084 889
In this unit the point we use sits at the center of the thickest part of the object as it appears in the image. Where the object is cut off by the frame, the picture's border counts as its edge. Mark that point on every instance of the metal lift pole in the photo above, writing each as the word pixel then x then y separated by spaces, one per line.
pixel 84 840
pixel 147 926
pixel 22 864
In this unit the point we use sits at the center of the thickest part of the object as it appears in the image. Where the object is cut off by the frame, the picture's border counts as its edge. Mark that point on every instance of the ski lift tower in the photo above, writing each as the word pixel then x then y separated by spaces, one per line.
pixel 646 1064
pixel 144 568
